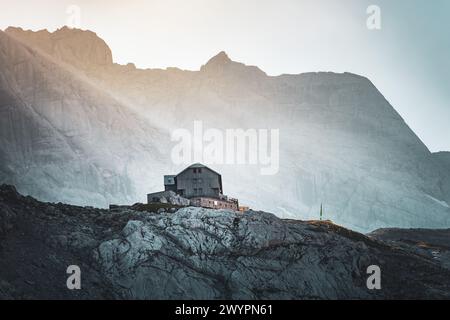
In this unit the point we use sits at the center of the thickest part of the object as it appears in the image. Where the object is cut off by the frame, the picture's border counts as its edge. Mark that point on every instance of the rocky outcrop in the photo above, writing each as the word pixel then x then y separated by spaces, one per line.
pixel 82 49
pixel 221 66
pixel 169 197
pixel 198 253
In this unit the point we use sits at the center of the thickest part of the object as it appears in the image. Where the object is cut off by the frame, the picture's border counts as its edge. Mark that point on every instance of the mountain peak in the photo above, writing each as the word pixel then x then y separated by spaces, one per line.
pixel 222 64
pixel 220 57
pixel 218 61
pixel 80 48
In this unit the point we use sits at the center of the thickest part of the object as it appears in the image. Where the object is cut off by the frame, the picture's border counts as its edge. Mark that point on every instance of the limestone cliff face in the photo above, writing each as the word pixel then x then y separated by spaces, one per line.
pixel 443 160
pixel 199 253
pixel 341 143
pixel 61 138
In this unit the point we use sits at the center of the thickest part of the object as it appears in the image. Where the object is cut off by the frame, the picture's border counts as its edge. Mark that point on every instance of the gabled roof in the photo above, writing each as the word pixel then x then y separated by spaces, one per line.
pixel 199 165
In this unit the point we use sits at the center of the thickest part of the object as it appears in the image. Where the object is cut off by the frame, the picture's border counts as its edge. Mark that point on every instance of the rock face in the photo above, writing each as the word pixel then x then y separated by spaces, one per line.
pixel 444 158
pixel 443 161
pixel 82 49
pixel 342 144
pixel 63 139
pixel 168 197
pixel 197 253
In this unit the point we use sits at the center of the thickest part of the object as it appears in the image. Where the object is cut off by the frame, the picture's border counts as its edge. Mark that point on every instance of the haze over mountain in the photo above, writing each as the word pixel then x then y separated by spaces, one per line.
pixel 78 128
pixel 57 139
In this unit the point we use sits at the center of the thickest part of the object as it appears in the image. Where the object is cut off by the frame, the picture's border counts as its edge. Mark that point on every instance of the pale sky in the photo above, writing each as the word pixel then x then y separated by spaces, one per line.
pixel 408 59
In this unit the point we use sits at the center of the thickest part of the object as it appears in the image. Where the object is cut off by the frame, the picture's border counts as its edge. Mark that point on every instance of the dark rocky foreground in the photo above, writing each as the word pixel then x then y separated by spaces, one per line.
pixel 430 244
pixel 207 254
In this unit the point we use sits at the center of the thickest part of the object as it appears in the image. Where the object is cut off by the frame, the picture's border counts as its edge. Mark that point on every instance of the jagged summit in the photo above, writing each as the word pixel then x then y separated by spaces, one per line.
pixel 85 50
pixel 218 63
pixel 219 59
pixel 16 29
pixel 12 30
pixel 221 64
pixel 80 48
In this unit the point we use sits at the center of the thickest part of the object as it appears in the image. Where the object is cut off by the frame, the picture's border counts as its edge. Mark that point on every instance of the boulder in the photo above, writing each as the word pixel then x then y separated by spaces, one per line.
pixel 170 197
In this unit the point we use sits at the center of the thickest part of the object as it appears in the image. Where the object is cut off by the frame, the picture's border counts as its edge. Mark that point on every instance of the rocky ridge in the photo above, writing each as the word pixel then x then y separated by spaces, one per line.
pixel 198 253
